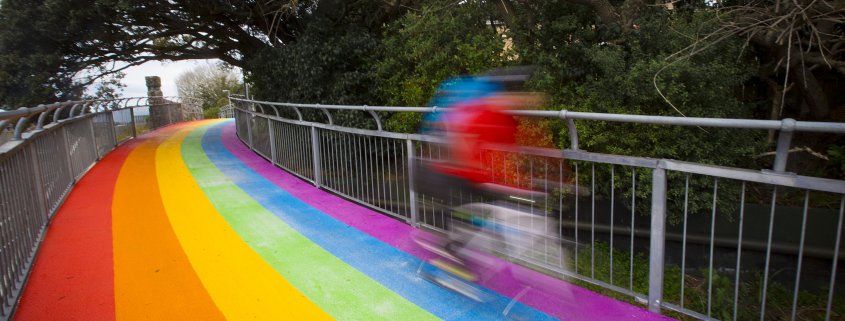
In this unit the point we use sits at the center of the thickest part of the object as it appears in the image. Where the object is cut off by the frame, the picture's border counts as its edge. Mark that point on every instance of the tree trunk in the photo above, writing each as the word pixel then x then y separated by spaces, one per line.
pixel 811 90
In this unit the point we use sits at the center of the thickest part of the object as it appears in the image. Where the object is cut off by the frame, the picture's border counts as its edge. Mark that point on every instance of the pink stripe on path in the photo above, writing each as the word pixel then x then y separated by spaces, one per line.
pixel 558 298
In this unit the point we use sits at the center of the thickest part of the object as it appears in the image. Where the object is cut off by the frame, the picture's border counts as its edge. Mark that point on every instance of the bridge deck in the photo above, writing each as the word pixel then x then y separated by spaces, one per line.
pixel 185 223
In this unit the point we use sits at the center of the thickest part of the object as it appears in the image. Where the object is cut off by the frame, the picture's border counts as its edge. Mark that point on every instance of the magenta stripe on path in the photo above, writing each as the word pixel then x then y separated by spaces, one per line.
pixel 558 298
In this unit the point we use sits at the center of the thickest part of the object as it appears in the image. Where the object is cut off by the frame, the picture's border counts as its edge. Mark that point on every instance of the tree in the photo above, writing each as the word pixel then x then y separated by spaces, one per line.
pixel 47 44
pixel 442 39
pixel 210 84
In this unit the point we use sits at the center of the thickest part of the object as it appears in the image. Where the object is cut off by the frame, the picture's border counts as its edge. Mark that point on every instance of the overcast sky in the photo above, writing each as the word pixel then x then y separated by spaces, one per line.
pixel 136 86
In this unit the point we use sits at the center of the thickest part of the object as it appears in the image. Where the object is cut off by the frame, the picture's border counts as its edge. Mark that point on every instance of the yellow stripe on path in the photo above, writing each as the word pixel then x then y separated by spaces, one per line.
pixel 240 282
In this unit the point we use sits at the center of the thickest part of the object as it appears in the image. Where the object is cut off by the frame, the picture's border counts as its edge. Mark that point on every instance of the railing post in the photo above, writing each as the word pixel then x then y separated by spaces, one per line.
pixel 113 128
pixel 272 138
pixel 787 127
pixel 658 237
pixel 315 152
pixel 38 180
pixel 132 116
pixel 249 117
pixel 90 121
pixel 69 158
pixel 412 197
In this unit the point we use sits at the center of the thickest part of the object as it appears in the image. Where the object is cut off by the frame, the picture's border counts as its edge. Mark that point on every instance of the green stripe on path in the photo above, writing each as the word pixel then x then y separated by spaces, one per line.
pixel 339 289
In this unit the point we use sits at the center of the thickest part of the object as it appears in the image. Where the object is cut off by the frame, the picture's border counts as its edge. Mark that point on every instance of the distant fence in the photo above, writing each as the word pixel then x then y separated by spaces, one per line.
pixel 227 111
pixel 717 265
pixel 47 149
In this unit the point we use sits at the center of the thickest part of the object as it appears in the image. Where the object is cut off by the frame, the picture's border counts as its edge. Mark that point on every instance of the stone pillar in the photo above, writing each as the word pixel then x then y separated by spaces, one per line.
pixel 162 112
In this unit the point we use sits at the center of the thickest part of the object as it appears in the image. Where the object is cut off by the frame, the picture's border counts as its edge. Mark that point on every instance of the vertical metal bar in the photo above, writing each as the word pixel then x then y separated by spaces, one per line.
pixel 352 166
pixel 294 158
pixel 402 188
pixel 289 157
pixel 113 128
pixel 712 240
pixel 560 208
pixel 658 238
pixel 378 201
pixel 381 187
pixel 132 116
pixel 612 203
pixel 249 118
pixel 800 255
pixel 359 168
pixel 272 138
pixel 768 254
pixel 304 145
pixel 315 152
pixel 739 250
pixel 90 121
pixel 296 151
pixel 593 221
pixel 335 162
pixel 340 152
pixel 283 144
pixel 398 159
pixel 545 209
pixel 374 176
pixel 577 188
pixel 326 168
pixel 835 260
pixel 38 179
pixel 784 141
pixel 385 168
pixel 5 259
pixel 684 240
pixel 66 146
pixel 368 171
pixel 409 150
pixel 633 217
pixel 347 164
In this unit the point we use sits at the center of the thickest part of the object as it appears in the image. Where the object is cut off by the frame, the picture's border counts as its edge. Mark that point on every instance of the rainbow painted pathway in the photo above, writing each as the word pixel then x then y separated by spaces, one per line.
pixel 186 223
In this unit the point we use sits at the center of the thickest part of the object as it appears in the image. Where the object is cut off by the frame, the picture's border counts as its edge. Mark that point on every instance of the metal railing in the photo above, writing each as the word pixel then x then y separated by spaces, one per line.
pixel 50 148
pixel 227 111
pixel 712 263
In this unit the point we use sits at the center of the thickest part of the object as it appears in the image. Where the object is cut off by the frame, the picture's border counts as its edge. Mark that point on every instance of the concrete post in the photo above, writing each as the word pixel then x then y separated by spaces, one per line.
pixel 162 112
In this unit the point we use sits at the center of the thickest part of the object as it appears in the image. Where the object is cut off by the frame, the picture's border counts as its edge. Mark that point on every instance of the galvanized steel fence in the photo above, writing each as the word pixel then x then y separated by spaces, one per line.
pixel 610 210
pixel 50 147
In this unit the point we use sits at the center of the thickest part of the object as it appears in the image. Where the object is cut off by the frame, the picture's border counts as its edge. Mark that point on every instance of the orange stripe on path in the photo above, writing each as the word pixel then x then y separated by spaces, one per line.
pixel 72 278
pixel 153 278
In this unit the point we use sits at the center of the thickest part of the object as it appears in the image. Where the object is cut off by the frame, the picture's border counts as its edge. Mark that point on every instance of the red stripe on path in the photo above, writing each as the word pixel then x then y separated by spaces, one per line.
pixel 73 274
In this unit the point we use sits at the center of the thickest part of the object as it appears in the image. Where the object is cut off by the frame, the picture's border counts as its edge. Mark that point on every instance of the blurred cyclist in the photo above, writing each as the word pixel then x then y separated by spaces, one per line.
pixel 470 127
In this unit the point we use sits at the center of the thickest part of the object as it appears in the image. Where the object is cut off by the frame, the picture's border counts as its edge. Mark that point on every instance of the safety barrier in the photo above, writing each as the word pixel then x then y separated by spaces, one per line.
pixel 608 239
pixel 47 150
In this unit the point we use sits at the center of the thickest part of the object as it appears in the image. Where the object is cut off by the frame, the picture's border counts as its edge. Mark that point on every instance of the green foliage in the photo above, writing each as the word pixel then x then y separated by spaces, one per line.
pixel 836 159
pixel 325 66
pixel 424 47
pixel 602 70
pixel 811 305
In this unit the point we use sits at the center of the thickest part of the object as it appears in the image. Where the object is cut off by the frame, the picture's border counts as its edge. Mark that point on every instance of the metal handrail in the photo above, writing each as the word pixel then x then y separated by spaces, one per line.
pixel 44 160
pixel 32 111
pixel 786 126
pixel 805 126
pixel 345 165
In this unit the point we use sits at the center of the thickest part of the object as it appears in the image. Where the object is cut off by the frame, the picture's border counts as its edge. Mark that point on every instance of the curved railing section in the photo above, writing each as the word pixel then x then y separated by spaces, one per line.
pixel 44 151
pixel 376 169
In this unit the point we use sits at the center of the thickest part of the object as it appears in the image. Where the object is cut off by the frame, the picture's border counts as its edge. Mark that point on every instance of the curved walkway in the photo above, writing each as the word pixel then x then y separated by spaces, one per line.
pixel 185 223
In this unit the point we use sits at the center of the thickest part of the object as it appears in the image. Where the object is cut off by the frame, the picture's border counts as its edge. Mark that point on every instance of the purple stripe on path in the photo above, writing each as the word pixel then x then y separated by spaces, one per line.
pixel 557 298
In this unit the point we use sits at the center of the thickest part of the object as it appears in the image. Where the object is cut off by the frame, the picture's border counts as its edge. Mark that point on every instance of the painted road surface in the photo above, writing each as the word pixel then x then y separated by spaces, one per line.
pixel 186 223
